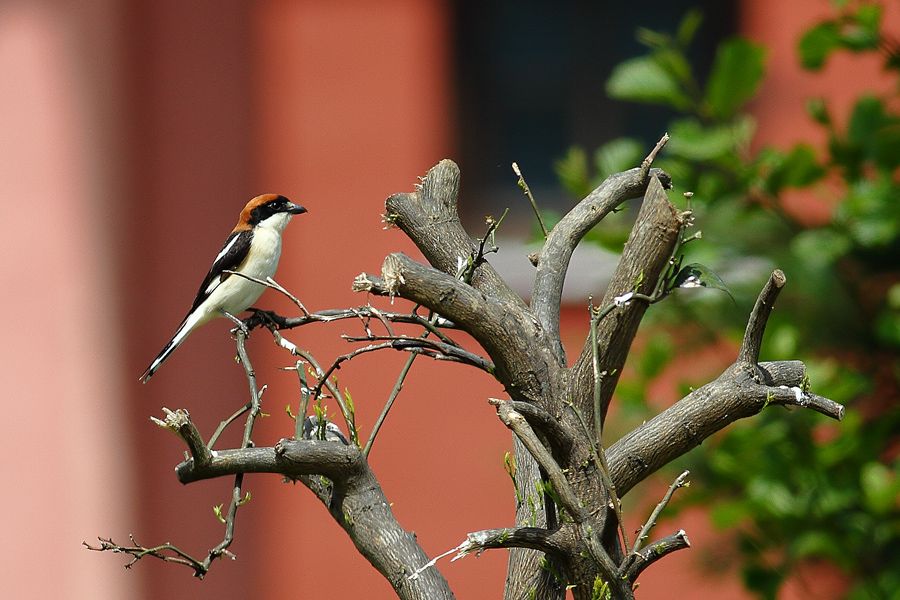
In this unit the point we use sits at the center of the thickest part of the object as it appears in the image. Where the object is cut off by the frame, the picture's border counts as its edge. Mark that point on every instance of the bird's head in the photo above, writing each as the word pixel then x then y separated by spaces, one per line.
pixel 268 210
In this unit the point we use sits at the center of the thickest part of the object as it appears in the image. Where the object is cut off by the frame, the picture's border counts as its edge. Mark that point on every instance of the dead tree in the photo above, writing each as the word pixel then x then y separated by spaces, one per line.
pixel 555 411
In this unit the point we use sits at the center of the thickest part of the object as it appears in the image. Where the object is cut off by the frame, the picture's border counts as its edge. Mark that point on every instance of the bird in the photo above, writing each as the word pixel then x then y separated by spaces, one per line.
pixel 252 249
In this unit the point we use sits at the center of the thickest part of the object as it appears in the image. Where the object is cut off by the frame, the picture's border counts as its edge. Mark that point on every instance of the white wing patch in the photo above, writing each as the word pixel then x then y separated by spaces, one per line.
pixel 213 285
pixel 217 280
pixel 226 249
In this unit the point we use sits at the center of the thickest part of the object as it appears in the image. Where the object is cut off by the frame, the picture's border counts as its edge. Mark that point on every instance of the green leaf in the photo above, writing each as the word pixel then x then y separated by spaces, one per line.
pixel 871 213
pixel 862 33
pixel 696 275
pixel 642 79
pixel 879 486
pixel 798 168
pixel 818 111
pixel 820 247
pixel 688 27
pixel 867 118
pixel 572 171
pixel 817 43
pixel 618 155
pixel 869 16
pixel 652 39
pixel 735 77
pixel 692 141
pixel 782 341
pixel 726 515
pixel 893 296
pixel 815 543
pixel 887 327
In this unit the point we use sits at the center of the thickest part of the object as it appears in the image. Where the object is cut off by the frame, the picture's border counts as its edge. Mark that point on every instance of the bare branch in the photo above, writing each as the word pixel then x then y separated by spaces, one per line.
pixel 680 481
pixel 645 258
pixel 534 538
pixel 735 394
pixel 553 262
pixel 357 504
pixel 432 348
pixel 164 552
pixel 655 551
pixel 508 339
pixel 395 391
pixel 560 438
pixel 648 161
pixel 744 389
pixel 527 190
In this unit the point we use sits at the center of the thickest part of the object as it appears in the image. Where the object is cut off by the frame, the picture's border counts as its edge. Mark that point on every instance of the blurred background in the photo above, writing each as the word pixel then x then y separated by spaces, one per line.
pixel 132 134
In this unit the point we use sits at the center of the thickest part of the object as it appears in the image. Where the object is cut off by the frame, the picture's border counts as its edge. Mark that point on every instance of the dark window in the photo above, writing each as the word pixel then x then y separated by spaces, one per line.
pixel 530 76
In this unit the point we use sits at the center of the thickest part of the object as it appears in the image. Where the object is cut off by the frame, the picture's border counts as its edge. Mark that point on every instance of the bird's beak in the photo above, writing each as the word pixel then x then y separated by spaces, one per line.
pixel 295 209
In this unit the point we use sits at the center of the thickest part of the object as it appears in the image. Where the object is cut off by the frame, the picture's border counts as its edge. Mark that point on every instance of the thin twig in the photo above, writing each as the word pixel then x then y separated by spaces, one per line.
pixel 598 428
pixel 466 268
pixel 304 400
pixel 648 162
pixel 323 381
pixel 398 385
pixel 655 551
pixel 271 283
pixel 137 552
pixel 224 424
pixel 680 481
pixel 524 185
pixel 179 421
pixel 432 348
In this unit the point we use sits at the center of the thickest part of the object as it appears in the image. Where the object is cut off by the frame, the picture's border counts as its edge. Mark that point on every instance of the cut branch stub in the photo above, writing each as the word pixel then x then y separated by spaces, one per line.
pixel 429 217
pixel 756 325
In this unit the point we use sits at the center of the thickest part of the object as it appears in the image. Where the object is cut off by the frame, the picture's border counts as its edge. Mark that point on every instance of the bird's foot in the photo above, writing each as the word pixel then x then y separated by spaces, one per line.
pixel 265 318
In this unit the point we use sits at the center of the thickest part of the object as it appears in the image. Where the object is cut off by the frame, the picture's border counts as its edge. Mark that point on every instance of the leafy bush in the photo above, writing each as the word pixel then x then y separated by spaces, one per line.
pixel 835 499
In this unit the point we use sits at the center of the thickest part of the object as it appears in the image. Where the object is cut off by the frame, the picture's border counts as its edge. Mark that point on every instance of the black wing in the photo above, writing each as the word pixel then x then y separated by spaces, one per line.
pixel 233 254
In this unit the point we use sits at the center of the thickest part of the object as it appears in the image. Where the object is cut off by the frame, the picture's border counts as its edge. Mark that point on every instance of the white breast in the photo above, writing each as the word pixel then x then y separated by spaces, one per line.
pixel 237 294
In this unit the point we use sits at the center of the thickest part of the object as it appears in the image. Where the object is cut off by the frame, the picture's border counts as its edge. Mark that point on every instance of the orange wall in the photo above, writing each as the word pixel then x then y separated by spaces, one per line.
pixel 347 116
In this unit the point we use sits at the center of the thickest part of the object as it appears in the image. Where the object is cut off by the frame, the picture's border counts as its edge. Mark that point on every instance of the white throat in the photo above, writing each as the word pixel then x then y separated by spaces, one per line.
pixel 276 222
